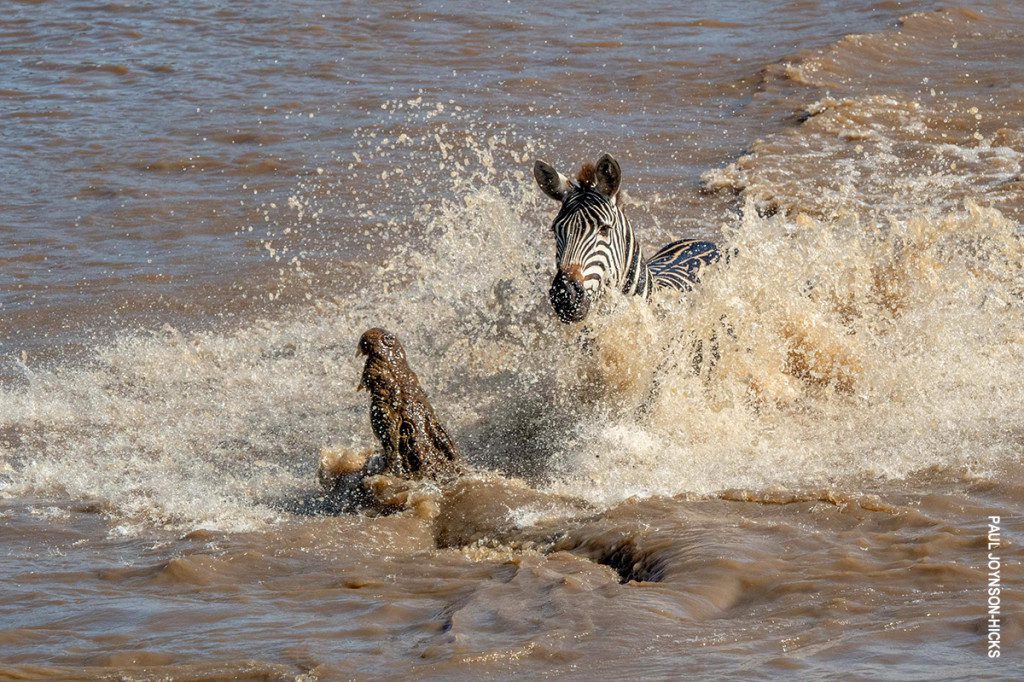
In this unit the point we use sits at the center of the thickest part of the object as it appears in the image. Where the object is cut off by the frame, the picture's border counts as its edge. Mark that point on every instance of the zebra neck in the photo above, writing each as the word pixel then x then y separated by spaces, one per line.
pixel 636 278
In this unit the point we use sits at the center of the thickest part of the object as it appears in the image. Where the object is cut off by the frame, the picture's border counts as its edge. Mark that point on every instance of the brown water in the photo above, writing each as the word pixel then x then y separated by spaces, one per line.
pixel 205 205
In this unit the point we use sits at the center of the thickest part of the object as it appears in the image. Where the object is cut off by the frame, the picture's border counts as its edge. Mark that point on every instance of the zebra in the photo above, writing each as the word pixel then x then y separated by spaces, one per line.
pixel 595 246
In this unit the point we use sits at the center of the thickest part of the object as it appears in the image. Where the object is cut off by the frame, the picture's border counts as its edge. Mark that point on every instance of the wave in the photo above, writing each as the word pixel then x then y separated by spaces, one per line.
pixel 841 352
pixel 867 326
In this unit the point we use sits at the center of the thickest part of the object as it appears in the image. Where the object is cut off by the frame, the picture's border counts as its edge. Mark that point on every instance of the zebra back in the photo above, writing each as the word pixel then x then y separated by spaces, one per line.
pixel 678 265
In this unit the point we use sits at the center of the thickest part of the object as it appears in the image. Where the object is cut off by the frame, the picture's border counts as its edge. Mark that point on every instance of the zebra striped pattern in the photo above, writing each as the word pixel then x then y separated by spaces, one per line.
pixel 593 233
pixel 594 236
pixel 678 265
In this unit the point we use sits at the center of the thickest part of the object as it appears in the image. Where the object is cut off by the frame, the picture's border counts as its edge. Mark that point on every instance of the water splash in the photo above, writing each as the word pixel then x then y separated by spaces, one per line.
pixel 829 349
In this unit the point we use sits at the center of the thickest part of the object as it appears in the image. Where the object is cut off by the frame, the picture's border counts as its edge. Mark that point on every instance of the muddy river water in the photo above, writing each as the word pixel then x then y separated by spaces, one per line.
pixel 206 203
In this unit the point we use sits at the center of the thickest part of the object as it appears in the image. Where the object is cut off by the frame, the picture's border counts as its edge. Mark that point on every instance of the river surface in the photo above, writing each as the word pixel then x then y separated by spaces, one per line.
pixel 204 204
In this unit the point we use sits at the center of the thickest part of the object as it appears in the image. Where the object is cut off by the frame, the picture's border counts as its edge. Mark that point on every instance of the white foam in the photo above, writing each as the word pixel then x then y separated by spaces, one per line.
pixel 819 380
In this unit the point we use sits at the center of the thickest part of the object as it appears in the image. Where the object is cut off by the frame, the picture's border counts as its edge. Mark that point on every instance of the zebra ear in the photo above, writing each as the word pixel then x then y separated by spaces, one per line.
pixel 551 182
pixel 608 176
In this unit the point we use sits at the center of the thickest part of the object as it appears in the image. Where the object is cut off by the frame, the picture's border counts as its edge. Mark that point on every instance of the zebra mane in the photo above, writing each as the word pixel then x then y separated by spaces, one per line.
pixel 587 174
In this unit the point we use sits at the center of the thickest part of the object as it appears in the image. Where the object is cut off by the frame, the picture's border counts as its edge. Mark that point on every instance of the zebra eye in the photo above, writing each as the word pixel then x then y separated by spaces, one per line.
pixel 604 229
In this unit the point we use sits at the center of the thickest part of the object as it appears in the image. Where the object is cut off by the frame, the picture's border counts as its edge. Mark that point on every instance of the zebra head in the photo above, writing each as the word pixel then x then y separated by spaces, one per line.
pixel 594 243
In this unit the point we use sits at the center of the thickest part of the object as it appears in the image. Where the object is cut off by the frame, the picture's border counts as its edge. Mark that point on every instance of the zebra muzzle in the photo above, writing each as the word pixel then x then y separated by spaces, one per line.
pixel 568 297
